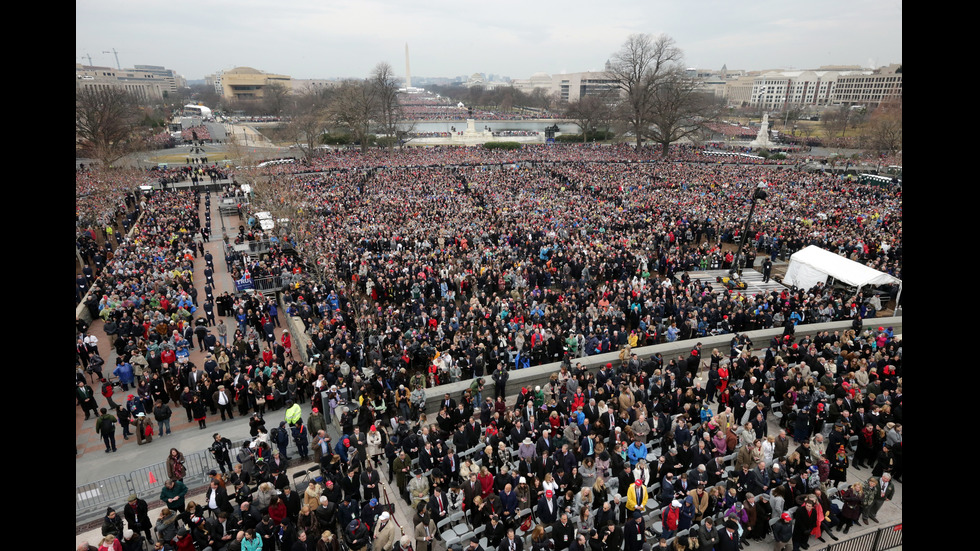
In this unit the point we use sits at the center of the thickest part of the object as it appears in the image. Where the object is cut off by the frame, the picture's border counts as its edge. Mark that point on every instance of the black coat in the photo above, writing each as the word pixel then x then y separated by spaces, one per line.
pixel 804 522
pixel 633 535
pixel 505 544
pixel 220 498
pixel 137 516
pixel 563 535
pixel 726 542
pixel 544 514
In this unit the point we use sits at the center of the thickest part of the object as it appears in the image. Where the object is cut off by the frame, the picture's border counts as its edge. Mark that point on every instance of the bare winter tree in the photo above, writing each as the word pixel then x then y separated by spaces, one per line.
pixel 589 113
pixel 680 109
pixel 835 121
pixel 106 123
pixel 275 98
pixel 390 112
pixel 309 119
pixel 884 130
pixel 638 68
pixel 354 108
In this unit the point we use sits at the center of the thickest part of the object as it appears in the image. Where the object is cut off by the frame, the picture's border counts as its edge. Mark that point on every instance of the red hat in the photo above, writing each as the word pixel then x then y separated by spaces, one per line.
pixel 639 482
pixel 316 410
pixel 130 397
pixel 374 427
pixel 548 494
pixel 347 441
pixel 609 365
pixel 787 517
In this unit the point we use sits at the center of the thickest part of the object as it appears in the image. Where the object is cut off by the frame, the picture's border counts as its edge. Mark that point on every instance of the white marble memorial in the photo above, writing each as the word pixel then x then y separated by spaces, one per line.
pixel 761 140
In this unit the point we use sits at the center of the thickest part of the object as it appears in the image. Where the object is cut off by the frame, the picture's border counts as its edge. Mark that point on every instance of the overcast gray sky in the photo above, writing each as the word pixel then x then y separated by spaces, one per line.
pixel 346 38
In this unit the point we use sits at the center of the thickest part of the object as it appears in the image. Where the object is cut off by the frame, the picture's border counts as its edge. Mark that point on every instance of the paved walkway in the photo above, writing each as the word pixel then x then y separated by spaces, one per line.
pixel 91 461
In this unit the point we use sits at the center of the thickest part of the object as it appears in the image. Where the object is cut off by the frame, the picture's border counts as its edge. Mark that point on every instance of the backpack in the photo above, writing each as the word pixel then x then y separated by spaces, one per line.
pixel 274 435
pixel 106 426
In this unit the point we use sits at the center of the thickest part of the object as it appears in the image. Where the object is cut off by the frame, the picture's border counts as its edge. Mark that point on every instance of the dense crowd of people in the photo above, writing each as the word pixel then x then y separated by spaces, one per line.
pixel 516 133
pixel 522 262
pixel 453 272
pixel 443 156
pixel 570 464
pixel 732 130
pixel 414 108
pixel 196 133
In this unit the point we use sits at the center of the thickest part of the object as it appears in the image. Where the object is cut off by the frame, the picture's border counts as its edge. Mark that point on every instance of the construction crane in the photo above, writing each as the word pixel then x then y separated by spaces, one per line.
pixel 89 59
pixel 115 53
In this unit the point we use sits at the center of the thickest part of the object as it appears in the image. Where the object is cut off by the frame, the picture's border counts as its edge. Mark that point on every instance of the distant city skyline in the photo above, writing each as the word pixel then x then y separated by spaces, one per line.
pixel 310 40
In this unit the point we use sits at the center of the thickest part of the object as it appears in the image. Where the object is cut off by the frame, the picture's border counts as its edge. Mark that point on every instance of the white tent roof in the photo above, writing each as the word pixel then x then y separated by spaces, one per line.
pixel 812 265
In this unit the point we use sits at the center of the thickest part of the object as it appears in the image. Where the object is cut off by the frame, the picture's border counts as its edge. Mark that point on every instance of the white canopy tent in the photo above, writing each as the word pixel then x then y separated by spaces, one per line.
pixel 814 265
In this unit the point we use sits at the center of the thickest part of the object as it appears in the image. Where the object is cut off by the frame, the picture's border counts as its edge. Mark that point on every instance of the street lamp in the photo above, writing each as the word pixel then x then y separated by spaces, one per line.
pixel 758 193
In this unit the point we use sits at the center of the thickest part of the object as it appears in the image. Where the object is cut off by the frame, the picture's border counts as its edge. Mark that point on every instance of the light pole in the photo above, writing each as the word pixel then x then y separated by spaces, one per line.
pixel 758 193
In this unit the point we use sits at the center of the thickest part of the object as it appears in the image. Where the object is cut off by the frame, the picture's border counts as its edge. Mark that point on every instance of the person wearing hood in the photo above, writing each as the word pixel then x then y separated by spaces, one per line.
pixel 281 439
pixel 686 516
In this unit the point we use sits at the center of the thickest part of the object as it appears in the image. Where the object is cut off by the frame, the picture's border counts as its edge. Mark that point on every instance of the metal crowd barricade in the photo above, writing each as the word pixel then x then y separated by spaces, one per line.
pixel 96 496
pixel 197 467
pixel 268 283
pixel 91 499
pixel 889 537
pixel 144 484
pixel 886 537
pixel 259 247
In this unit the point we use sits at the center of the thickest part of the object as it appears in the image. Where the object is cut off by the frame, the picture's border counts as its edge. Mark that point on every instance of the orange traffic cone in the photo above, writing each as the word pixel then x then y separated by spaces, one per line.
pixel 153 479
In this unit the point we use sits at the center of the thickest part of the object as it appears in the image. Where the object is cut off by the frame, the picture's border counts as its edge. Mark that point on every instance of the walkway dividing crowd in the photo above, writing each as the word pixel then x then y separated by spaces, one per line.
pixel 457 273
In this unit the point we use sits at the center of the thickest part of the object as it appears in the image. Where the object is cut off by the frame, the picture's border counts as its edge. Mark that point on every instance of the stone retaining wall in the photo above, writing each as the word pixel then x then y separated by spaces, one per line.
pixel 540 374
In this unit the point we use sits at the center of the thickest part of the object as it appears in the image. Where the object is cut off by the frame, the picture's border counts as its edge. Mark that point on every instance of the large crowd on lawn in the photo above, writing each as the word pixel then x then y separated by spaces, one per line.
pixel 448 264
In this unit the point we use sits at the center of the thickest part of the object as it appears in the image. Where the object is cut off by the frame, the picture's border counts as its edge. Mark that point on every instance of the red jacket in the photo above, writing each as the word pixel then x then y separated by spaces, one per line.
pixel 669 517
pixel 277 512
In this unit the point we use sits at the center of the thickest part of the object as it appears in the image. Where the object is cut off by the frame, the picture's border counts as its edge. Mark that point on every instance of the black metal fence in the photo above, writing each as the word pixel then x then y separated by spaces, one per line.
pixel 886 537
pixel 91 499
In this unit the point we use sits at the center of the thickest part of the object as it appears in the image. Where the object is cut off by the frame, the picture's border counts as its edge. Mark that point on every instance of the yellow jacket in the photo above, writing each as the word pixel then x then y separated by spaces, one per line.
pixel 294 414
pixel 631 495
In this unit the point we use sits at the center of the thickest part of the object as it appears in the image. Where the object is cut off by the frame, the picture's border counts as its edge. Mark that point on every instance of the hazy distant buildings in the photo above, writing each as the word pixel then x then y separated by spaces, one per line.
pixel 772 90
pixel 245 83
pixel 568 87
pixel 826 86
pixel 776 90
pixel 304 85
pixel 883 84
pixel 145 81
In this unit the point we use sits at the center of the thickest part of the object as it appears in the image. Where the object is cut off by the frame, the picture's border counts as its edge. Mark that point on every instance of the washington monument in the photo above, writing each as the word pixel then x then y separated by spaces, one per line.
pixel 408 69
